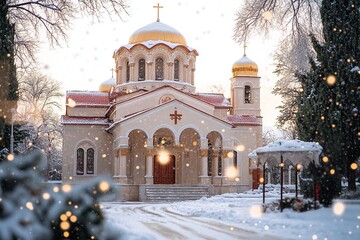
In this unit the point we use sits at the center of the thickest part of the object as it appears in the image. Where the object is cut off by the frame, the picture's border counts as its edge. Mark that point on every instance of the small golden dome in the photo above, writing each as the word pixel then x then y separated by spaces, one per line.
pixel 107 85
pixel 245 66
pixel 157 31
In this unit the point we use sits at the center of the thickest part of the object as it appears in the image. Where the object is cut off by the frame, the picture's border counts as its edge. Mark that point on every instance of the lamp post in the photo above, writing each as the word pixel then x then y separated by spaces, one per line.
pixel 263 178
pixel 281 165
pixel 13 111
pixel 297 170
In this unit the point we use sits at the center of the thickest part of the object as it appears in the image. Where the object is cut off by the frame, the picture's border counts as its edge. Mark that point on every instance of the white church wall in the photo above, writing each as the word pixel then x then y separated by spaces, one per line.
pixel 86 111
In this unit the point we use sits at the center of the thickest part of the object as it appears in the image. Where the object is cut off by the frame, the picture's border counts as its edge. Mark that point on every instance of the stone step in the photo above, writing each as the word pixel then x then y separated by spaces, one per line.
pixel 174 193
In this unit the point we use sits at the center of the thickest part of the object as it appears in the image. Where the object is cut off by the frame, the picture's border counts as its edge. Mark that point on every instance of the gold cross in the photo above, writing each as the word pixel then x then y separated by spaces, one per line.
pixel 175 116
pixel 158 11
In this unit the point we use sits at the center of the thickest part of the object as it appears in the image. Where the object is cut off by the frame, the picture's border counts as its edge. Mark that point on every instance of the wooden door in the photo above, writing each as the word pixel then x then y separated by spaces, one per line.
pixel 256 175
pixel 164 171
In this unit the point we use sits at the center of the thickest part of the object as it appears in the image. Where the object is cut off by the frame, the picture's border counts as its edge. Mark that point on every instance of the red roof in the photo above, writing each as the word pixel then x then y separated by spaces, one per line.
pixel 244 120
pixel 66 120
pixel 87 98
pixel 216 99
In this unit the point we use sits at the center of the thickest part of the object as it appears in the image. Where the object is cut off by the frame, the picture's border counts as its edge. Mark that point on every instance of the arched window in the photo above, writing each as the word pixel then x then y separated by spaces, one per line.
pixel 142 69
pixel 247 96
pixel 90 161
pixel 127 71
pixel 235 163
pixel 80 161
pixel 176 70
pixel 159 69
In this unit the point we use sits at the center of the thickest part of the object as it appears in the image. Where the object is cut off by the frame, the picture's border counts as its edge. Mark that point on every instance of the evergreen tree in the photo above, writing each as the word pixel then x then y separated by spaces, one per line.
pixel 330 99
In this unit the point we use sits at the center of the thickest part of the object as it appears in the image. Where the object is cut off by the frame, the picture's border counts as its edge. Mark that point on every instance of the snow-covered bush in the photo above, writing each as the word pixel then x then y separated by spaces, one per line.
pixel 31 210
pixel 296 204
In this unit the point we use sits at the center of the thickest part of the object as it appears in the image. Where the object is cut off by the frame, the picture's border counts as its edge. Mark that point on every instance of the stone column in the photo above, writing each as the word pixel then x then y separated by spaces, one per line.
pixel 149 178
pixel 216 178
pixel 227 164
pixel 204 178
pixel 170 74
pixel 148 71
pixel 132 72
pixel 289 176
pixel 120 165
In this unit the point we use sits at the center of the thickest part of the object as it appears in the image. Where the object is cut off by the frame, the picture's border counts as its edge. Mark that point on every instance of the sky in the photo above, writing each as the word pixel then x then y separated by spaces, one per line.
pixel 85 60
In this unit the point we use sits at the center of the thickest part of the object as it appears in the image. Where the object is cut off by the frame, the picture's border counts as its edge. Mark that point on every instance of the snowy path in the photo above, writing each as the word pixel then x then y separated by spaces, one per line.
pixel 157 221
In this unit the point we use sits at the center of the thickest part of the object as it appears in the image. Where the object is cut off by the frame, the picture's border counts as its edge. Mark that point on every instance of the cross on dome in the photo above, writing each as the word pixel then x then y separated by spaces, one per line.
pixel 158 11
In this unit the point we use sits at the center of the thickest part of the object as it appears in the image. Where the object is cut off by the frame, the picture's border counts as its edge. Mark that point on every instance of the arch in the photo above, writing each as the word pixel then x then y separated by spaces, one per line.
pixel 248 94
pixel 196 128
pixel 141 69
pixel 176 70
pixel 190 143
pixel 140 129
pixel 160 126
pixel 159 68
pixel 163 137
pixel 215 141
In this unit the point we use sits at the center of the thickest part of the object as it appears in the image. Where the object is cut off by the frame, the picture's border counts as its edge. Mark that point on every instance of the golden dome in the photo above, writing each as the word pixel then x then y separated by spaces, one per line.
pixel 107 85
pixel 157 31
pixel 245 66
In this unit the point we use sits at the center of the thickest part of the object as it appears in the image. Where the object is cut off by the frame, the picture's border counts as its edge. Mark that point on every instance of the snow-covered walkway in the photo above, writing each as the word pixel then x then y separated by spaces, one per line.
pixel 232 216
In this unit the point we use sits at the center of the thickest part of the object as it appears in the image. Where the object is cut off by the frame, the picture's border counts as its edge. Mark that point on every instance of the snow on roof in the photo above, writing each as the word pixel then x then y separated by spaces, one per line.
pixel 216 99
pixel 87 98
pixel 110 82
pixel 66 120
pixel 288 146
pixel 244 120
pixel 152 43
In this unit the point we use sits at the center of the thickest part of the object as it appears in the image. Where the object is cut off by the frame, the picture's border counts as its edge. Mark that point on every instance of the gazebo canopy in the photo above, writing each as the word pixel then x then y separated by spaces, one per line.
pixel 295 151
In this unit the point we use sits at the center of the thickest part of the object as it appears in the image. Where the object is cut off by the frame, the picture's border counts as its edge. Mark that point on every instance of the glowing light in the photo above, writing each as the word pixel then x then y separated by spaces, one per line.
pixel 194 143
pixel 202 121
pixel 281 165
pixel 66 188
pixel 187 165
pixel 230 155
pixel 231 228
pixel 261 180
pixel 325 159
pixel 353 166
pixel 314 237
pixel 66 234
pixel 65 225
pixel 104 186
pixel 71 103
pixel 332 171
pixel 30 206
pixel 164 158
pixel 256 211
pixel 266 227
pixel 46 196
pixel 73 218
pixel 231 172
pixel 338 208
pixel 223 130
pixel 10 157
pixel 63 217
pixel 267 15
pixel 331 80
pixel 104 155
pixel 322 117
pixel 299 167
pixel 240 148
pixel 333 125
pixel 68 213
pixel 96 138
pixel 137 167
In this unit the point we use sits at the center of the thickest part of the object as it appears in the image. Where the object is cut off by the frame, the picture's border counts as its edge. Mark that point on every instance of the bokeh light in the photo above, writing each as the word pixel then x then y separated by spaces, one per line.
pixel 354 166
pixel 325 159
pixel 164 158
pixel 267 15
pixel 332 171
pixel 66 188
pixel 230 155
pixel 256 211
pixel 71 103
pixel 240 148
pixel 331 80
pixel 10 157
pixel 30 206
pixel 104 186
pixel 338 208
pixel 46 196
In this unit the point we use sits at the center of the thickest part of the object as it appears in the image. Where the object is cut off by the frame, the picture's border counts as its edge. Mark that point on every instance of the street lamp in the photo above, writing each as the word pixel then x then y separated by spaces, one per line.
pixel 298 168
pixel 281 165
pixel 13 111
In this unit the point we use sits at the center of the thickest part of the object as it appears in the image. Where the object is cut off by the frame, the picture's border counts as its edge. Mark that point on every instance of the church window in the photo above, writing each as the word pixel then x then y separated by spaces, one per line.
pixel 176 70
pixel 90 161
pixel 141 69
pixel 127 71
pixel 159 69
pixel 80 161
pixel 247 94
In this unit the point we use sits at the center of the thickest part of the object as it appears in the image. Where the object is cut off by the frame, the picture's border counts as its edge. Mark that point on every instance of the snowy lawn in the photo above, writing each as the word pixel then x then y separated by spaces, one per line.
pixel 232 216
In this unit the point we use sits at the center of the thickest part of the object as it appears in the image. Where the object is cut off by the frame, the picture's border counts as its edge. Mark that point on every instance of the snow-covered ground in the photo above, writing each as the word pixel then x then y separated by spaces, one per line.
pixel 232 216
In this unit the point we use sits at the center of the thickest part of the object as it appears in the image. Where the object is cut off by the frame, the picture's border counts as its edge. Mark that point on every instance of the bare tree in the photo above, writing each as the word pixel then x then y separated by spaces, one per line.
pixel 39 108
pixel 30 17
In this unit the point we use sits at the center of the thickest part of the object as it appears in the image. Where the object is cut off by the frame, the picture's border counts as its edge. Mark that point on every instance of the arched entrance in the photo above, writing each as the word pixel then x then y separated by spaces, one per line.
pixel 191 160
pixel 136 156
pixel 214 154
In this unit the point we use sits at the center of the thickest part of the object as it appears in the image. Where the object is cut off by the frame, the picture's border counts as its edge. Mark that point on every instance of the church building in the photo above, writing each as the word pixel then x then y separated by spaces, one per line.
pixel 148 127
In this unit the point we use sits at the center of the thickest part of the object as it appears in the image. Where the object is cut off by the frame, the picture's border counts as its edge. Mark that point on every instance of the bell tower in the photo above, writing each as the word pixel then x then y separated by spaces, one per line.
pixel 245 87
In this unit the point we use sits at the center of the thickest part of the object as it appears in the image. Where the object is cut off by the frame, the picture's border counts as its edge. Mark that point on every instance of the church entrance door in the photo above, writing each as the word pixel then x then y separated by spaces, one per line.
pixel 164 169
